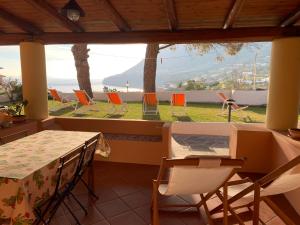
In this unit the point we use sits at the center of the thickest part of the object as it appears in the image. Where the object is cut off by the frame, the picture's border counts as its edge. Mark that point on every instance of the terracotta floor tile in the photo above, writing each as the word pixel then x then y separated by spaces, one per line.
pixel 265 213
pixel 275 221
pixel 60 211
pixel 125 192
pixel 60 220
pixel 245 215
pixel 103 222
pixel 125 189
pixel 170 218
pixel 93 216
pixel 147 191
pixel 112 208
pixel 191 216
pixel 192 199
pixel 79 189
pixel 105 194
pixel 84 199
pixel 172 200
pixel 144 212
pixel 108 181
pixel 128 218
pixel 136 200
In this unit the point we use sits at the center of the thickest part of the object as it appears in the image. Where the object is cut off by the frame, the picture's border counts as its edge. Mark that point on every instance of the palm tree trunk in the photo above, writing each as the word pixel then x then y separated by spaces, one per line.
pixel 150 67
pixel 80 53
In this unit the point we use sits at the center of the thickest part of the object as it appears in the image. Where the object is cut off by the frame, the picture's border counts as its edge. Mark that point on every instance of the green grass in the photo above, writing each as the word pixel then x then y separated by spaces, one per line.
pixel 198 112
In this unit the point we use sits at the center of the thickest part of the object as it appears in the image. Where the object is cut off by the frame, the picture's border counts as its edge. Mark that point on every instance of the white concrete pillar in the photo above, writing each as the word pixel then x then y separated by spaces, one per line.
pixel 284 87
pixel 34 80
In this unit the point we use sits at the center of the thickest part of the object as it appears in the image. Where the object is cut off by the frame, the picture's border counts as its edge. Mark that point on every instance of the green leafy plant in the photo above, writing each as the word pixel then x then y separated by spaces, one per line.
pixel 107 89
pixel 16 108
pixel 13 89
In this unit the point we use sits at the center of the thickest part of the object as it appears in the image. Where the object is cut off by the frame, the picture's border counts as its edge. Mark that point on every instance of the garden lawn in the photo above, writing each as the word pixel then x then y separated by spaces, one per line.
pixel 198 112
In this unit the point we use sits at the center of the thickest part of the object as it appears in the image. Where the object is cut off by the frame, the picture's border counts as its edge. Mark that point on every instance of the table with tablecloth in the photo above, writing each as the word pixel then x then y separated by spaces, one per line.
pixel 28 169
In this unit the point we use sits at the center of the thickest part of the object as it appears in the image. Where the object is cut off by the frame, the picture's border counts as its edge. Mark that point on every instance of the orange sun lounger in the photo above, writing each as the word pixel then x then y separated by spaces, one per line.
pixel 235 107
pixel 178 100
pixel 150 103
pixel 83 98
pixel 115 100
pixel 54 94
pixel 56 97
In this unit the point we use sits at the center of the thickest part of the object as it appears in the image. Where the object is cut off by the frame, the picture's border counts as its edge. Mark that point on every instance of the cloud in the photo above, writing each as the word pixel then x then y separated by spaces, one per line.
pixel 104 60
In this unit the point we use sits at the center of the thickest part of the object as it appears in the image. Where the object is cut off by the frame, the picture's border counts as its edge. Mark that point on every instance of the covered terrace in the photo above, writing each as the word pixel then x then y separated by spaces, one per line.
pixel 32 24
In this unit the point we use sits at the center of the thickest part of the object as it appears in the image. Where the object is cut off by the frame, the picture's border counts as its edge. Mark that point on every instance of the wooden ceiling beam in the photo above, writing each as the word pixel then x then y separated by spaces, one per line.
pixel 291 19
pixel 19 22
pixel 233 12
pixel 114 15
pixel 172 15
pixel 59 18
pixel 183 36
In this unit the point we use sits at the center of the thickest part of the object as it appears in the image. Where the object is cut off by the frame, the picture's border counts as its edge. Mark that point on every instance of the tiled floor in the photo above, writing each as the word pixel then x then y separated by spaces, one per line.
pixel 124 192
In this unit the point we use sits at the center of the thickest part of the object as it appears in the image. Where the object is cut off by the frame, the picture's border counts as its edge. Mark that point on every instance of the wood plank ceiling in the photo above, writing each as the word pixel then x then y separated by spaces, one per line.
pixel 140 21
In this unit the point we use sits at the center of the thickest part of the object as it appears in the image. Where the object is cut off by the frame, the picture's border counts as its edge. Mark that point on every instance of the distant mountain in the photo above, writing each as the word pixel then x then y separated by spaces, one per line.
pixel 178 65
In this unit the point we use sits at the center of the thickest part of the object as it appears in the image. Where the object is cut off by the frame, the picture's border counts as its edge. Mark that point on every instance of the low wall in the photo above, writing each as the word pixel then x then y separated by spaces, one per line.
pixel 4 98
pixel 202 96
pixel 122 150
pixel 264 150
pixel 250 97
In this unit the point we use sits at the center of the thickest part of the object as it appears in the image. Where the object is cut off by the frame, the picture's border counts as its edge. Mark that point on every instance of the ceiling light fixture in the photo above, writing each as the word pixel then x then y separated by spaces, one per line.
pixel 73 11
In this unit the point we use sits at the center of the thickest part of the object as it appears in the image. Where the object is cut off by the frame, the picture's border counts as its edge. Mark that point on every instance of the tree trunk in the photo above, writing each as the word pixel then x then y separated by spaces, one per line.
pixel 80 53
pixel 150 67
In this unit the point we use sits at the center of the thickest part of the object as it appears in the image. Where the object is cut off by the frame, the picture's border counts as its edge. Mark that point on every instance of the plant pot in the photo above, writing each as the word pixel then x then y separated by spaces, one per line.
pixel 294 133
pixel 4 117
pixel 19 119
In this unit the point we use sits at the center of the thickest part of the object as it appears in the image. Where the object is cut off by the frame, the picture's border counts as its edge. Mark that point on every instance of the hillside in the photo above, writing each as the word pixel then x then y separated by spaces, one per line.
pixel 178 65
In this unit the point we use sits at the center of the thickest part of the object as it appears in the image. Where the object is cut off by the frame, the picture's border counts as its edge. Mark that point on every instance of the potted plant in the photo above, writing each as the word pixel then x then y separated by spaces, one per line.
pixel 13 90
pixel 16 109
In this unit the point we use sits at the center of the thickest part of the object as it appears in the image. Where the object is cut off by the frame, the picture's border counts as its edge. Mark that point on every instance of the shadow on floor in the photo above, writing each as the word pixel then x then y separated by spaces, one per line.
pixel 152 117
pixel 61 111
pixel 114 116
pixel 184 118
pixel 245 216
pixel 125 192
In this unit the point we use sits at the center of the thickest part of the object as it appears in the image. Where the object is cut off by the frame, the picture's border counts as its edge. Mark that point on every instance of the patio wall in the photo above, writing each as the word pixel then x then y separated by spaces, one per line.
pixel 202 96
pixel 122 150
pixel 264 150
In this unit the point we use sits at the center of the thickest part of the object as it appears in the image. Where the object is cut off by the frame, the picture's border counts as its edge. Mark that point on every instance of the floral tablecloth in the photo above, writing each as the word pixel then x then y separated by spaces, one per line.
pixel 27 171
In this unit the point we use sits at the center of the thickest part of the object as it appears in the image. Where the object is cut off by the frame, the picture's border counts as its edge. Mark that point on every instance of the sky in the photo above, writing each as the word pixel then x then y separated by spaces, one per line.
pixel 104 60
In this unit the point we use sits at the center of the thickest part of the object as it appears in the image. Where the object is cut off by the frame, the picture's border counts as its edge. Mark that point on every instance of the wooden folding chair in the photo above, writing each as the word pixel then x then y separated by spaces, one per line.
pixel 56 97
pixel 203 176
pixel 12 137
pixel 66 175
pixel 235 107
pixel 281 180
pixel 178 100
pixel 116 103
pixel 150 104
pixel 87 165
pixel 83 98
